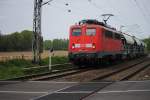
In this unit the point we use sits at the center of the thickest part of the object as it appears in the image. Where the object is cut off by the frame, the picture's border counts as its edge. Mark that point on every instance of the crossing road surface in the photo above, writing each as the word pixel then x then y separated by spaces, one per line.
pixel 47 90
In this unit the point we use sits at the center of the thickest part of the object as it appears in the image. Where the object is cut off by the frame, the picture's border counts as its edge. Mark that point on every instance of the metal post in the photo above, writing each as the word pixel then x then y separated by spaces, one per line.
pixel 50 61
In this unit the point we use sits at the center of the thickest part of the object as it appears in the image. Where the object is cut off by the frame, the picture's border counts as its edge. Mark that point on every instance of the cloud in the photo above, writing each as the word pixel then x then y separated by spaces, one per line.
pixel 2 17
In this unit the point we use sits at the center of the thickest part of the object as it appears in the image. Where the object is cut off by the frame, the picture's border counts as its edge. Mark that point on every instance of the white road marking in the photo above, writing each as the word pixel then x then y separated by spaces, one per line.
pixel 23 92
pixel 76 92
pixel 64 82
pixel 51 92
pixel 49 82
pixel 124 91
pixel 10 81
pixel 134 81
pixel 69 82
pixel 47 93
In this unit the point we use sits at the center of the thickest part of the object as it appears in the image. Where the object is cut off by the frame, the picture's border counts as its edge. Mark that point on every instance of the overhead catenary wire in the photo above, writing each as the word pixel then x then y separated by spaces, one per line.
pixel 122 19
pixel 145 10
pixel 147 21
pixel 141 11
pixel 65 7
pixel 75 9
pixel 110 6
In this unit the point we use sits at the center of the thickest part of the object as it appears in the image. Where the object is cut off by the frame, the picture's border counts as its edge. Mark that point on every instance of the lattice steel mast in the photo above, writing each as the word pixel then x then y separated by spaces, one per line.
pixel 37 42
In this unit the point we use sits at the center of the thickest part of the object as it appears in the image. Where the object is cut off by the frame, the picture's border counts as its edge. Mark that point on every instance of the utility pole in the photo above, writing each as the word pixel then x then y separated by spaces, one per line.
pixel 37 41
pixel 37 38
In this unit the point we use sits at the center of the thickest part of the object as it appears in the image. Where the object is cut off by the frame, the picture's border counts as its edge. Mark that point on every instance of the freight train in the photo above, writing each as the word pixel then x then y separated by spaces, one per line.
pixel 91 41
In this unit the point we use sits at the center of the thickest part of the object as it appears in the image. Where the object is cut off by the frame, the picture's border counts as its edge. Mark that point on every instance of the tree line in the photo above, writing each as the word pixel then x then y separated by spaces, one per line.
pixel 56 44
pixel 147 41
pixel 16 41
pixel 22 41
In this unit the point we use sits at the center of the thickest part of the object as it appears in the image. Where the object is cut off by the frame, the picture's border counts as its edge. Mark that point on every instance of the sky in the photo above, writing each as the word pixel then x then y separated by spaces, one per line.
pixel 17 15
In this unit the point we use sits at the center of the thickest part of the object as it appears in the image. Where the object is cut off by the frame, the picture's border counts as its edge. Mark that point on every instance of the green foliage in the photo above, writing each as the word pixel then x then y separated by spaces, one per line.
pixel 16 62
pixel 16 41
pixel 10 72
pixel 147 41
pixel 23 42
pixel 57 44
pixel 14 68
pixel 47 44
pixel 55 60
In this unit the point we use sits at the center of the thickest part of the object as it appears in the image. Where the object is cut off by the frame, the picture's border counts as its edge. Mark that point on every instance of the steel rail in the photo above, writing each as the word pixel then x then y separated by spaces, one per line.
pixel 26 77
pixel 109 74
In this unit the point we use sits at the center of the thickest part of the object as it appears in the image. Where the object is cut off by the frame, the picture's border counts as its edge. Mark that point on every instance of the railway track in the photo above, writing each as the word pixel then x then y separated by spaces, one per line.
pixel 59 74
pixel 104 74
pixel 124 73
pixel 27 77
pixel 50 75
pixel 100 74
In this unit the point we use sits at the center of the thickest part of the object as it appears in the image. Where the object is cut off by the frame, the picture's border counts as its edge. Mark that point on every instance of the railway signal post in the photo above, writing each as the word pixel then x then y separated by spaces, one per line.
pixel 50 59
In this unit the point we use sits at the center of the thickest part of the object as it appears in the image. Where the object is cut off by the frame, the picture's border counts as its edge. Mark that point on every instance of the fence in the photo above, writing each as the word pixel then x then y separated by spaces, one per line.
pixel 6 58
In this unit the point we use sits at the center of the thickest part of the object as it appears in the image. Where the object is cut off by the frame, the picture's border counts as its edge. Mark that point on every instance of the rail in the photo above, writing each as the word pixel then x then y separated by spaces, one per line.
pixel 26 77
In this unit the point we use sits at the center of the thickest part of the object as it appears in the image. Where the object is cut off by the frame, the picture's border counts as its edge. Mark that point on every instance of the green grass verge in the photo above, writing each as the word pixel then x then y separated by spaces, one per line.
pixel 14 68
pixel 55 60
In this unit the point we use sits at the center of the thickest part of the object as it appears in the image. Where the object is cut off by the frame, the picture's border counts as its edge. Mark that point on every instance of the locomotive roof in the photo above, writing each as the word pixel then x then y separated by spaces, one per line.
pixel 95 22
pixel 129 39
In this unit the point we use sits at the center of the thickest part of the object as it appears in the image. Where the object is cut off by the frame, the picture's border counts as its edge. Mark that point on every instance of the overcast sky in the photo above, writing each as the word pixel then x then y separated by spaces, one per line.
pixel 17 15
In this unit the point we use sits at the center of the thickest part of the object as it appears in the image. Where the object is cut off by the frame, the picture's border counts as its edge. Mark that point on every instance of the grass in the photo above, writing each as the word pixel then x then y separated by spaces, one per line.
pixel 55 60
pixel 14 68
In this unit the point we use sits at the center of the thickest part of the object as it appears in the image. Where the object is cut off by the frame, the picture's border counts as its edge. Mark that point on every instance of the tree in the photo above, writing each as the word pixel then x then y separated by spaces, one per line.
pixel 16 41
pixel 23 42
pixel 147 41
pixel 57 44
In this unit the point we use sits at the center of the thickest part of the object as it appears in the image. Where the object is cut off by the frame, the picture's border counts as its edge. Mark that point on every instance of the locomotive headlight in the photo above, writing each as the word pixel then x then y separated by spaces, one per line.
pixel 93 46
pixel 73 46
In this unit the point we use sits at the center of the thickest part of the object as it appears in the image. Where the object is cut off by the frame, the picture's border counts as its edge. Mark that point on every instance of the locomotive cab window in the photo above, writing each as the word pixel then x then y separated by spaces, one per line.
pixel 76 32
pixel 90 32
pixel 117 36
pixel 108 34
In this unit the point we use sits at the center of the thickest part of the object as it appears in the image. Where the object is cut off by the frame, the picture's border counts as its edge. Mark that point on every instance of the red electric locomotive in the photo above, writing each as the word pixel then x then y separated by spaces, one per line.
pixel 92 41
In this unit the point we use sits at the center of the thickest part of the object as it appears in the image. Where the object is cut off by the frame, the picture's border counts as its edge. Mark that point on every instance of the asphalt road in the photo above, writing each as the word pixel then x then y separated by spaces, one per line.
pixel 125 90
pixel 14 90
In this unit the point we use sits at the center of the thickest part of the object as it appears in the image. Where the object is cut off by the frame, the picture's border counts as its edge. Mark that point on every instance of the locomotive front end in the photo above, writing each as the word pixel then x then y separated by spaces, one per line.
pixel 83 43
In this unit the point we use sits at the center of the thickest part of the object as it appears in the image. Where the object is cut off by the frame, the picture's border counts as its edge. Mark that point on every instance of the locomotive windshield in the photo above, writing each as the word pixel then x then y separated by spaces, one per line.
pixel 76 32
pixel 90 32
